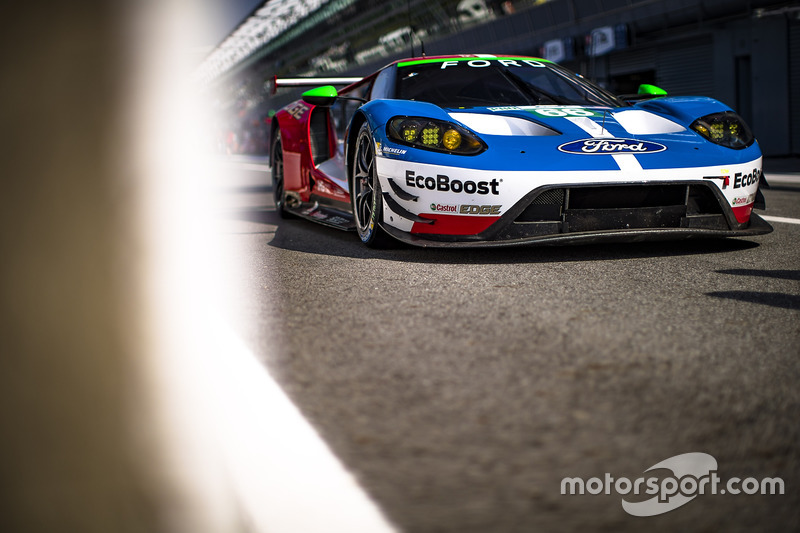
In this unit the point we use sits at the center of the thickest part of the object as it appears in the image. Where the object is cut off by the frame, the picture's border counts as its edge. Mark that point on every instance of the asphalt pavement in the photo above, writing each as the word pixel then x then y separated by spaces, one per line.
pixel 462 387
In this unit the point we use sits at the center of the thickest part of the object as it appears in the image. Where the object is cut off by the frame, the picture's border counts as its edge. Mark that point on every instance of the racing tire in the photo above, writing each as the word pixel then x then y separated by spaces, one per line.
pixel 278 191
pixel 366 197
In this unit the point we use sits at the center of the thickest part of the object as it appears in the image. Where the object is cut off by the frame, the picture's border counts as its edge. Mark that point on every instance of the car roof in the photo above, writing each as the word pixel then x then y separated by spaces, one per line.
pixel 441 58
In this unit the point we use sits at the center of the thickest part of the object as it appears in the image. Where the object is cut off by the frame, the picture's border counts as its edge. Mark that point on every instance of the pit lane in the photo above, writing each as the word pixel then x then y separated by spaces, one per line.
pixel 461 386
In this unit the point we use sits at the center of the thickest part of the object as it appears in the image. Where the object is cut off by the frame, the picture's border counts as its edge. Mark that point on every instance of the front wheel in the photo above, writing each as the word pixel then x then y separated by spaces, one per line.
pixel 365 194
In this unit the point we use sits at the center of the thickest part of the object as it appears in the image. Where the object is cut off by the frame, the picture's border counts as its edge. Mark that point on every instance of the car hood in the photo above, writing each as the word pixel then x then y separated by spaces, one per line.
pixel 659 135
pixel 656 133
pixel 566 120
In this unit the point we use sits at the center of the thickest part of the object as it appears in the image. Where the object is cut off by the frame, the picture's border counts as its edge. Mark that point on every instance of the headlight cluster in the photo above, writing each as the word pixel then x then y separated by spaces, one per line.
pixel 437 135
pixel 726 129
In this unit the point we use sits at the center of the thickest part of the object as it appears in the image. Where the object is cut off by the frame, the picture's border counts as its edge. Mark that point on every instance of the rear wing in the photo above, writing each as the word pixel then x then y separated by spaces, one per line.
pixel 310 82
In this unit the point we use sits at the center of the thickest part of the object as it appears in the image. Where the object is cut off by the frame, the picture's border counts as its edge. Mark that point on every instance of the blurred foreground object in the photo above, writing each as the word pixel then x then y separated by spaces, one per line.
pixel 115 410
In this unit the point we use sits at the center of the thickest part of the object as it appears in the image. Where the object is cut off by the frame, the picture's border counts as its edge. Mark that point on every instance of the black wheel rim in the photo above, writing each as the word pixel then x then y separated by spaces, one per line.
pixel 362 183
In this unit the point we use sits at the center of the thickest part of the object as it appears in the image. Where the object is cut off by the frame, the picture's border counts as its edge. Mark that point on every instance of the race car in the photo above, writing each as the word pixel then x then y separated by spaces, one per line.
pixel 479 150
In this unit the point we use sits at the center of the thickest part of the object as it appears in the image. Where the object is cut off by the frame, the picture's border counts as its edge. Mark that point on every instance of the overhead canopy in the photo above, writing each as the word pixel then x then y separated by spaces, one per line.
pixel 272 19
pixel 302 29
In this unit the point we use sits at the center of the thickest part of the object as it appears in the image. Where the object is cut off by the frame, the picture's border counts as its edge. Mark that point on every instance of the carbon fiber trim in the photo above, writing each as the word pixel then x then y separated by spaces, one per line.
pixel 397 208
pixel 758 226
pixel 400 193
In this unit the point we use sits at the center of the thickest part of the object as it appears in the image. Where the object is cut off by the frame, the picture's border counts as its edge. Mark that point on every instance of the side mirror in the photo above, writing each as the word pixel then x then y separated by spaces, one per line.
pixel 322 96
pixel 651 91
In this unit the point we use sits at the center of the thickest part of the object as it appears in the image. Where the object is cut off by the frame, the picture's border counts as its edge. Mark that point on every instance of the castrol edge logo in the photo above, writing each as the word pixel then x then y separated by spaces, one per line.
pixel 611 147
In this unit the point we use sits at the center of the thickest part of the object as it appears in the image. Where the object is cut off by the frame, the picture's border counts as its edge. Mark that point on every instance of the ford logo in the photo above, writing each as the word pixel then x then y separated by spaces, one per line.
pixel 611 146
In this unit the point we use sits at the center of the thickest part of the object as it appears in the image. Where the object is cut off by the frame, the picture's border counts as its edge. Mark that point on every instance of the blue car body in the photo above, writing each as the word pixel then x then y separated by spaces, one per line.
pixel 493 151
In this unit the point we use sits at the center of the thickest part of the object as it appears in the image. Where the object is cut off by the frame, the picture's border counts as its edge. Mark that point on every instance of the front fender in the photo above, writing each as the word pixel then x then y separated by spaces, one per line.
pixel 379 112
pixel 686 109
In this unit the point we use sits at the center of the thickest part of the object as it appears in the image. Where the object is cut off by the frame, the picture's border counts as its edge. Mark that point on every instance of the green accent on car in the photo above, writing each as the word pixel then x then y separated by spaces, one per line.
pixel 651 90
pixel 443 59
pixel 323 96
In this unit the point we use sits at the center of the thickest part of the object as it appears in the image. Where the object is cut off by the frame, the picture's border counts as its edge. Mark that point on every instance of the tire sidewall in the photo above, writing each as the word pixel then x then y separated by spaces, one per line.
pixel 372 230
pixel 278 182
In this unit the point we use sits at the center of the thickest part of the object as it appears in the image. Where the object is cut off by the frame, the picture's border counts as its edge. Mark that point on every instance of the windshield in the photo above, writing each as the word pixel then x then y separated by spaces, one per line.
pixel 484 82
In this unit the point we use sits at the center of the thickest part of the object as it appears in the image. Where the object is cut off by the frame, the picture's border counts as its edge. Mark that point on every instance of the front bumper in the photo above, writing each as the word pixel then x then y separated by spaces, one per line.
pixel 591 213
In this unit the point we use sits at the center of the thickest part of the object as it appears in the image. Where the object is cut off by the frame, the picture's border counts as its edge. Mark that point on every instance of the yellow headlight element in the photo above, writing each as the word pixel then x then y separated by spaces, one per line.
pixel 433 134
pixel 452 139
pixel 410 132
pixel 430 135
pixel 726 129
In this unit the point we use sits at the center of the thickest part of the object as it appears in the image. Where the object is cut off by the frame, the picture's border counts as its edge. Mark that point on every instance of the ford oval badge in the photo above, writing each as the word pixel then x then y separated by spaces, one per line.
pixel 611 147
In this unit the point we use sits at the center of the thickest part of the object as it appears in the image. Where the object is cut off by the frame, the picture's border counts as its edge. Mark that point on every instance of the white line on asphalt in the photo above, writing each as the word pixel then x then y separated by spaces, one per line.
pixel 238 454
pixel 781 219
pixel 286 475
pixel 245 452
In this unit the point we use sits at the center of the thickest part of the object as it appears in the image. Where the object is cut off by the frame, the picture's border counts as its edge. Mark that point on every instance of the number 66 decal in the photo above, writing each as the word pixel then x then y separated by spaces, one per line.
pixel 565 111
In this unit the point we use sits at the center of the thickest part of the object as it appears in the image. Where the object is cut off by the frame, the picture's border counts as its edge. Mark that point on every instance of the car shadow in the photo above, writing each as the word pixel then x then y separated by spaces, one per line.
pixel 793 275
pixel 773 299
pixel 301 235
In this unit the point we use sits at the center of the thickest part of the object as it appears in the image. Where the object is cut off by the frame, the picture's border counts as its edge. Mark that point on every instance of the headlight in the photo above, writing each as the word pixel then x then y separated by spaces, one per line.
pixel 726 129
pixel 432 134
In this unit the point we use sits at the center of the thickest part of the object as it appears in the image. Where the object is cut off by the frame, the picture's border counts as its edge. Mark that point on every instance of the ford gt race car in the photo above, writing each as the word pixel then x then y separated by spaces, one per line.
pixel 490 151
